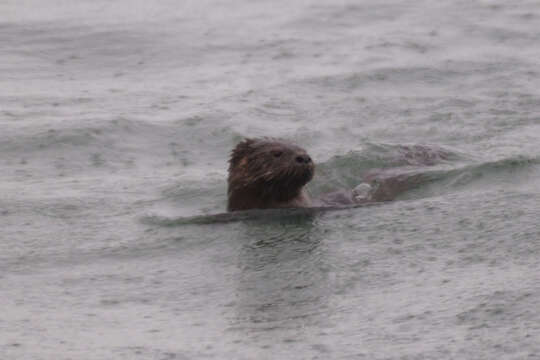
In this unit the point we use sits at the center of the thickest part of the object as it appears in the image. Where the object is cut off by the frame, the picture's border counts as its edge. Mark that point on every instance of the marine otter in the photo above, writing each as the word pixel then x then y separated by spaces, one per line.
pixel 268 173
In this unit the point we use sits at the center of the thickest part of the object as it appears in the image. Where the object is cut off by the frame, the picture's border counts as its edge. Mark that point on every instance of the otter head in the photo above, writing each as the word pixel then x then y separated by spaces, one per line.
pixel 267 173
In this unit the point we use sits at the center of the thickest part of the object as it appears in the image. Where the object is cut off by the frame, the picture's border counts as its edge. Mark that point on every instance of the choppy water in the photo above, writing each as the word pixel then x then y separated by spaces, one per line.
pixel 117 119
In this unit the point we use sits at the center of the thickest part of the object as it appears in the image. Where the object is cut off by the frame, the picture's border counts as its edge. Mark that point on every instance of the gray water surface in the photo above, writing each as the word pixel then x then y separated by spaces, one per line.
pixel 117 118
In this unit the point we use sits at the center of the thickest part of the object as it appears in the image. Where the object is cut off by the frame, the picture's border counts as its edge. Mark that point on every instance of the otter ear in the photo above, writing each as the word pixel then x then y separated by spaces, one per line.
pixel 241 150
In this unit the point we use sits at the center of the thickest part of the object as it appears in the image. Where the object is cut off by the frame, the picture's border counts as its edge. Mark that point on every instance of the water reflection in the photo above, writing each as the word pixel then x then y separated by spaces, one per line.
pixel 283 282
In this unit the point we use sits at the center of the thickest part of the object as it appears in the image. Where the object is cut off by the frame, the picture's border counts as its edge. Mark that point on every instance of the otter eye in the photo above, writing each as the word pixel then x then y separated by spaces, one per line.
pixel 277 153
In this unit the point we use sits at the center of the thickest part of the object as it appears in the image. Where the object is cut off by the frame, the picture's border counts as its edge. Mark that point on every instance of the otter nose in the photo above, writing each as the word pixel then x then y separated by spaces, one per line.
pixel 303 159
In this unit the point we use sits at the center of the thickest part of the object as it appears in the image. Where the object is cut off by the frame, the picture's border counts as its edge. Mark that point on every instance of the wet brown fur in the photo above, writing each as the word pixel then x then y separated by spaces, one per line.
pixel 268 173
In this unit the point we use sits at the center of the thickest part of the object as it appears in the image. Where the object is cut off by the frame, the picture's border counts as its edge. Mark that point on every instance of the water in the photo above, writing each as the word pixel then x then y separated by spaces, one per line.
pixel 117 119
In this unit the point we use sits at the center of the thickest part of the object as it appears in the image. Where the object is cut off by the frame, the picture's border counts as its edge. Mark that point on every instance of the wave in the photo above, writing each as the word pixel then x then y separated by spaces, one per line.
pixel 416 171
pixel 288 215
pixel 346 171
pixel 115 144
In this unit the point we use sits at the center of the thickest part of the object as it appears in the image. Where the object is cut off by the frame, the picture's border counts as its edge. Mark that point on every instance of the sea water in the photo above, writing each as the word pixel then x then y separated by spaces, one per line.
pixel 116 121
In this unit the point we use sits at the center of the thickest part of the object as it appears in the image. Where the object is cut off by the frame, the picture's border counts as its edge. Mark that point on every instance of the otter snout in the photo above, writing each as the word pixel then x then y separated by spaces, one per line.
pixel 303 159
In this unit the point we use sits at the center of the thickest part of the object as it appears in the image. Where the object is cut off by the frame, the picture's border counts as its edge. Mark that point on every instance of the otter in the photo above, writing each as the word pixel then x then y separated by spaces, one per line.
pixel 268 173
pixel 271 173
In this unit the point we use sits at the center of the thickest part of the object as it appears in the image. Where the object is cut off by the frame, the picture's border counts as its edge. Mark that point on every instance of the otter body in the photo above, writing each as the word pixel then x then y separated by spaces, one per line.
pixel 268 173
pixel 271 173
